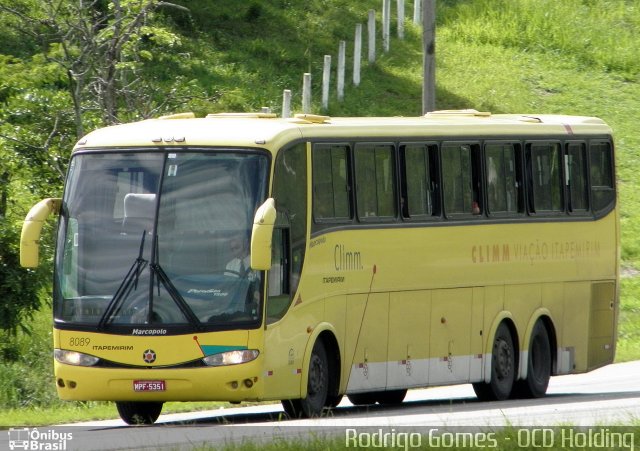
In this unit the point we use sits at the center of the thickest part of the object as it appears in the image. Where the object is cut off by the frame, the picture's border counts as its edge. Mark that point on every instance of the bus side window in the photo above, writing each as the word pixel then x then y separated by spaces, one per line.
pixel 544 177
pixel 603 193
pixel 576 177
pixel 375 176
pixel 289 236
pixel 279 289
pixel 420 185
pixel 461 180
pixel 331 183
pixel 503 179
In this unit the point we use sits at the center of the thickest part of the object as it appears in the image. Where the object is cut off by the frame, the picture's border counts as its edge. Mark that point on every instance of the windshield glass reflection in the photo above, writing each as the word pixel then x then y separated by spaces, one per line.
pixel 159 239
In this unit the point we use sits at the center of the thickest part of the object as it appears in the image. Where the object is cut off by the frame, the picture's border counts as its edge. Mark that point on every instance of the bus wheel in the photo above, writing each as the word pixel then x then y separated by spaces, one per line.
pixel 317 387
pixel 362 399
pixel 538 365
pixel 391 397
pixel 503 366
pixel 139 412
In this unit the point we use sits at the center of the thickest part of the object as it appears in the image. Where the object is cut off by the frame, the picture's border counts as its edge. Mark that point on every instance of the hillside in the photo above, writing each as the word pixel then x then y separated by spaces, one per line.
pixel 524 56
pixel 527 56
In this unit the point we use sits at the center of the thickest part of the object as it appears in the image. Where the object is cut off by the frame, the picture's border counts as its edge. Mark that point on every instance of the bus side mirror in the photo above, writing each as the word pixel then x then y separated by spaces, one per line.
pixel 32 228
pixel 262 235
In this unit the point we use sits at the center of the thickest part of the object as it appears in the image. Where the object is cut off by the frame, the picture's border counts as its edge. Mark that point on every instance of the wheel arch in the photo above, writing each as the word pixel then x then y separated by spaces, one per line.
pixel 325 332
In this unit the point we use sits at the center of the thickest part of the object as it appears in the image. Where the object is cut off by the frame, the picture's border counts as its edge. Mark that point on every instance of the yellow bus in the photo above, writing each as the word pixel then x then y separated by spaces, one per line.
pixel 244 257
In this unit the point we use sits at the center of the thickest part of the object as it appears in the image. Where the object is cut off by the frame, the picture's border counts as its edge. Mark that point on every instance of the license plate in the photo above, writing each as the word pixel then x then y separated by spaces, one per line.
pixel 149 386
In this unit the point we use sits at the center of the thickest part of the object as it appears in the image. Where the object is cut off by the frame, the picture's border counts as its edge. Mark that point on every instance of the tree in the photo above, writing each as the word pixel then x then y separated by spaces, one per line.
pixel 79 64
pixel 100 45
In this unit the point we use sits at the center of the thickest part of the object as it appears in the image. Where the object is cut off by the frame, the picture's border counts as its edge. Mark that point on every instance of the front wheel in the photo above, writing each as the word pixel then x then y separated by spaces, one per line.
pixel 317 387
pixel 139 412
pixel 503 368
pixel 392 397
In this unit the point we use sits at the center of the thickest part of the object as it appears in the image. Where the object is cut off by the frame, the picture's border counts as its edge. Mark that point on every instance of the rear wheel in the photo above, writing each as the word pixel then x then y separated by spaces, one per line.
pixel 503 368
pixel 139 412
pixel 538 365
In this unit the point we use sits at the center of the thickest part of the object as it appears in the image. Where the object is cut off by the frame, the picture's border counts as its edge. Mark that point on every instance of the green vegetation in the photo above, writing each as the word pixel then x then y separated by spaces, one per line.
pixel 529 56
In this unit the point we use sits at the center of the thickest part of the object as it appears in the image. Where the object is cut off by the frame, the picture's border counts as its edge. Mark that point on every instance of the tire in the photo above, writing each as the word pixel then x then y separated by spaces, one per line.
pixel 292 407
pixel 317 387
pixel 538 365
pixel 390 397
pixel 139 412
pixel 363 399
pixel 503 368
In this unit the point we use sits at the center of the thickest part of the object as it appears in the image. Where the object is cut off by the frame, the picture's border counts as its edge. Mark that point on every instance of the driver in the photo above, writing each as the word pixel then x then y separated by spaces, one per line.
pixel 240 267
pixel 240 264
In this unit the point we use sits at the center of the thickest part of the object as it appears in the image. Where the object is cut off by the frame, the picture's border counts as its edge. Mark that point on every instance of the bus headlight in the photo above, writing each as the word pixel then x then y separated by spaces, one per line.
pixel 231 357
pixel 74 358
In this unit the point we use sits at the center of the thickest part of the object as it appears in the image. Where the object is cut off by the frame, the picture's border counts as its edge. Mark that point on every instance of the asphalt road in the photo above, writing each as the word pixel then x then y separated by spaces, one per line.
pixel 607 396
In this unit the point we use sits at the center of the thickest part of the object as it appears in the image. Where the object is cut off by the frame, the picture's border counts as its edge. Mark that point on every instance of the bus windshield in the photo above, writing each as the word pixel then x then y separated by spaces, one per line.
pixel 159 238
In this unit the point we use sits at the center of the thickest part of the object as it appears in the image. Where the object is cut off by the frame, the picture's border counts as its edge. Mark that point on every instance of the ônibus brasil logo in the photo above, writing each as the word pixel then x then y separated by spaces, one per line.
pixel 26 438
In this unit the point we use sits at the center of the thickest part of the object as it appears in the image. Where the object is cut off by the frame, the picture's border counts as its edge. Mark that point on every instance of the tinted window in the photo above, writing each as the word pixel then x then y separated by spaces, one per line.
pixel 330 182
pixel 420 170
pixel 290 193
pixel 601 171
pixel 576 177
pixel 460 181
pixel 375 181
pixel 504 192
pixel 545 177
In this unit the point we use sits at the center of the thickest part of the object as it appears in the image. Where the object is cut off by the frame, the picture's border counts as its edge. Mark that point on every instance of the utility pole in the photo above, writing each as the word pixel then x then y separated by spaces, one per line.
pixel 429 52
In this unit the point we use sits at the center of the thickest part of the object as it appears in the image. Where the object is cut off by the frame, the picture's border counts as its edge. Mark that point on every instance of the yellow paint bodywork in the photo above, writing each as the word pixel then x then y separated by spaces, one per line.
pixel 408 307
pixel 200 383
pixel 430 309
pixel 32 228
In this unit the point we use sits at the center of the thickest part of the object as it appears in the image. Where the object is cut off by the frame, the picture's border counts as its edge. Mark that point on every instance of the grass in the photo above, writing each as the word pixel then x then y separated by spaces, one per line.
pixel 628 346
pixel 529 56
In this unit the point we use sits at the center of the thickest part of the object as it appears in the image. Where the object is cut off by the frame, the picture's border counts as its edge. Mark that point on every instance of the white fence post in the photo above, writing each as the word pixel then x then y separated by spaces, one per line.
pixel 386 24
pixel 326 78
pixel 286 103
pixel 371 29
pixel 306 93
pixel 342 49
pixel 357 54
pixel 400 4
pixel 417 13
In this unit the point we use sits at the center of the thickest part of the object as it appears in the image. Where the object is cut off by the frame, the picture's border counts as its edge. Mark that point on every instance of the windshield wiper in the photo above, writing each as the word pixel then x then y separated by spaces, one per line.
pixel 129 283
pixel 172 290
